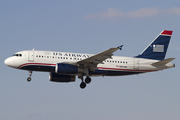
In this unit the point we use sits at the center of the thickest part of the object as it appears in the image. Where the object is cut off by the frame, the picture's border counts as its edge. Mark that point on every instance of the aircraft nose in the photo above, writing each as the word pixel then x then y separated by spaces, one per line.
pixel 10 62
pixel 7 61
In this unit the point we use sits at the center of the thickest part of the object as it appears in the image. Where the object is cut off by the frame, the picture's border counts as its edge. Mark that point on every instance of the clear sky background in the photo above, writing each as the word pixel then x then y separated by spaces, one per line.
pixel 88 27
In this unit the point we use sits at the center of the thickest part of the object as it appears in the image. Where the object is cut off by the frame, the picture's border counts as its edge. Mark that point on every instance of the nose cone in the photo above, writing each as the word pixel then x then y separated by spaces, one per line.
pixel 7 62
pixel 10 62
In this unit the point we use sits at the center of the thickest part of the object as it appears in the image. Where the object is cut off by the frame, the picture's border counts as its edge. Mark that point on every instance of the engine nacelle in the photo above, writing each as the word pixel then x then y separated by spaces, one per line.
pixel 54 77
pixel 64 68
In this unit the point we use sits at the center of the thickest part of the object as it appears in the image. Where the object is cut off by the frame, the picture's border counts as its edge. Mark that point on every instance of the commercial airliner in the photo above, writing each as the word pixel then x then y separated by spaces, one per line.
pixel 65 66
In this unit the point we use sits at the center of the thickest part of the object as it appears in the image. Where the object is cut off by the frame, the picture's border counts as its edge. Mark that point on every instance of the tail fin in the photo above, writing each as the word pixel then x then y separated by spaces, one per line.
pixel 157 48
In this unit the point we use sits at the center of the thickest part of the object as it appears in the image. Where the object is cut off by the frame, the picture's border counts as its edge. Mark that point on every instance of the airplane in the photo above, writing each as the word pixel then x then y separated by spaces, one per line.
pixel 65 66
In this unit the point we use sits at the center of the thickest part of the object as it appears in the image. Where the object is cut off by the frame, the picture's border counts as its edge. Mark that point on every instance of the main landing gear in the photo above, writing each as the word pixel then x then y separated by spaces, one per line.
pixel 29 78
pixel 87 81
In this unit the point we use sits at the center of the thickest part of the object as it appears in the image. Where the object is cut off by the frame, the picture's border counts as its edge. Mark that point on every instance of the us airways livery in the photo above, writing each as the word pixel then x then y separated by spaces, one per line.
pixel 64 66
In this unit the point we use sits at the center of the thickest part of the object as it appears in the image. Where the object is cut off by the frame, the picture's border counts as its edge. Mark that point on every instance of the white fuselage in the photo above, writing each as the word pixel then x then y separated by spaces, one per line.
pixel 35 60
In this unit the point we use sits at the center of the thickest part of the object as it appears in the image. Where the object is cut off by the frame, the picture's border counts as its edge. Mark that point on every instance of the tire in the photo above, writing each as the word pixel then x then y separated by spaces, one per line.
pixel 82 85
pixel 88 80
pixel 29 79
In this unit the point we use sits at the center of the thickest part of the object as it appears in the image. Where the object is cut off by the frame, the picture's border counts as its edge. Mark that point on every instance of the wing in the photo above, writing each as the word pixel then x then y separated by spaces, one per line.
pixel 94 60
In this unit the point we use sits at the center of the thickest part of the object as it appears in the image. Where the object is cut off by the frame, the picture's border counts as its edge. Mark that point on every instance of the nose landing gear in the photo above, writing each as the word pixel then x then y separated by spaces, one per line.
pixel 29 78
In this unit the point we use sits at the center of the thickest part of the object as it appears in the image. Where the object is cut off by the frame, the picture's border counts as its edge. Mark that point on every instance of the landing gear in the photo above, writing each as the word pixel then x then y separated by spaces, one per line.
pixel 87 81
pixel 29 78
pixel 82 85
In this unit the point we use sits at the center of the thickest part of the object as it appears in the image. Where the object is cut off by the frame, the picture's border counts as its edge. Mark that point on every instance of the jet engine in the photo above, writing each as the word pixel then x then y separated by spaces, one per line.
pixel 64 68
pixel 54 77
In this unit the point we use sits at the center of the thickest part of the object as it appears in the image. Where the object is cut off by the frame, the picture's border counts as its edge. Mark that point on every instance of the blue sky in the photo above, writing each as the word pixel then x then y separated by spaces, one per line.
pixel 88 27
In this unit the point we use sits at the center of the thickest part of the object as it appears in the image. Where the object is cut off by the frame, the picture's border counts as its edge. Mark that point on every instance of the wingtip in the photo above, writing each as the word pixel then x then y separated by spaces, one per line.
pixel 120 47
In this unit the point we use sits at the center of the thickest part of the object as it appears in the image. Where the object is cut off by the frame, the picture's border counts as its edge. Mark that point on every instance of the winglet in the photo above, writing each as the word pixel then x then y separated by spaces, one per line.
pixel 120 47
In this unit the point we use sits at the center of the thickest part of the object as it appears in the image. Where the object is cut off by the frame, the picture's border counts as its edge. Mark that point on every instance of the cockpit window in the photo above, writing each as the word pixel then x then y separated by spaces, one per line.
pixel 18 55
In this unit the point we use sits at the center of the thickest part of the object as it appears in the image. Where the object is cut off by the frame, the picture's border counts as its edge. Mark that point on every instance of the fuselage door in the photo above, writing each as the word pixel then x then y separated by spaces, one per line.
pixel 31 56
pixel 136 63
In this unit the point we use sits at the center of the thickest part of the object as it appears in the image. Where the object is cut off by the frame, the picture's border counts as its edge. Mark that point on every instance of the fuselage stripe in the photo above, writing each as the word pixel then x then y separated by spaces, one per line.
pixel 45 64
pixel 103 68
pixel 100 68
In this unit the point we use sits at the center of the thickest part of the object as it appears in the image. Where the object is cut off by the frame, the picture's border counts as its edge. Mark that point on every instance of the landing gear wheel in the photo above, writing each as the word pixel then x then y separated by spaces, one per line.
pixel 82 85
pixel 88 80
pixel 29 79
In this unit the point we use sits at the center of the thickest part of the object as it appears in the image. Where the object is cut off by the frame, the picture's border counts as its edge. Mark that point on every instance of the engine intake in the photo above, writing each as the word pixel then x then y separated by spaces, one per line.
pixel 54 77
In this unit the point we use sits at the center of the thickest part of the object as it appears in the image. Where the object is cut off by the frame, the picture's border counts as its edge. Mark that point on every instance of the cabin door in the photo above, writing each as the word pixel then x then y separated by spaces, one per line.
pixel 136 63
pixel 31 56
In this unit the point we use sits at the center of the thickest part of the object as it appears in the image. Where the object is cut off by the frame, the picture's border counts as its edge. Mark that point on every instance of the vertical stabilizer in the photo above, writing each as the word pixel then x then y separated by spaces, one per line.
pixel 157 48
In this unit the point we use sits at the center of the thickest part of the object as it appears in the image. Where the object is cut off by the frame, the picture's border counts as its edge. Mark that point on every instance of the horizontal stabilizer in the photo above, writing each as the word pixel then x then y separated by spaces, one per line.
pixel 162 62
